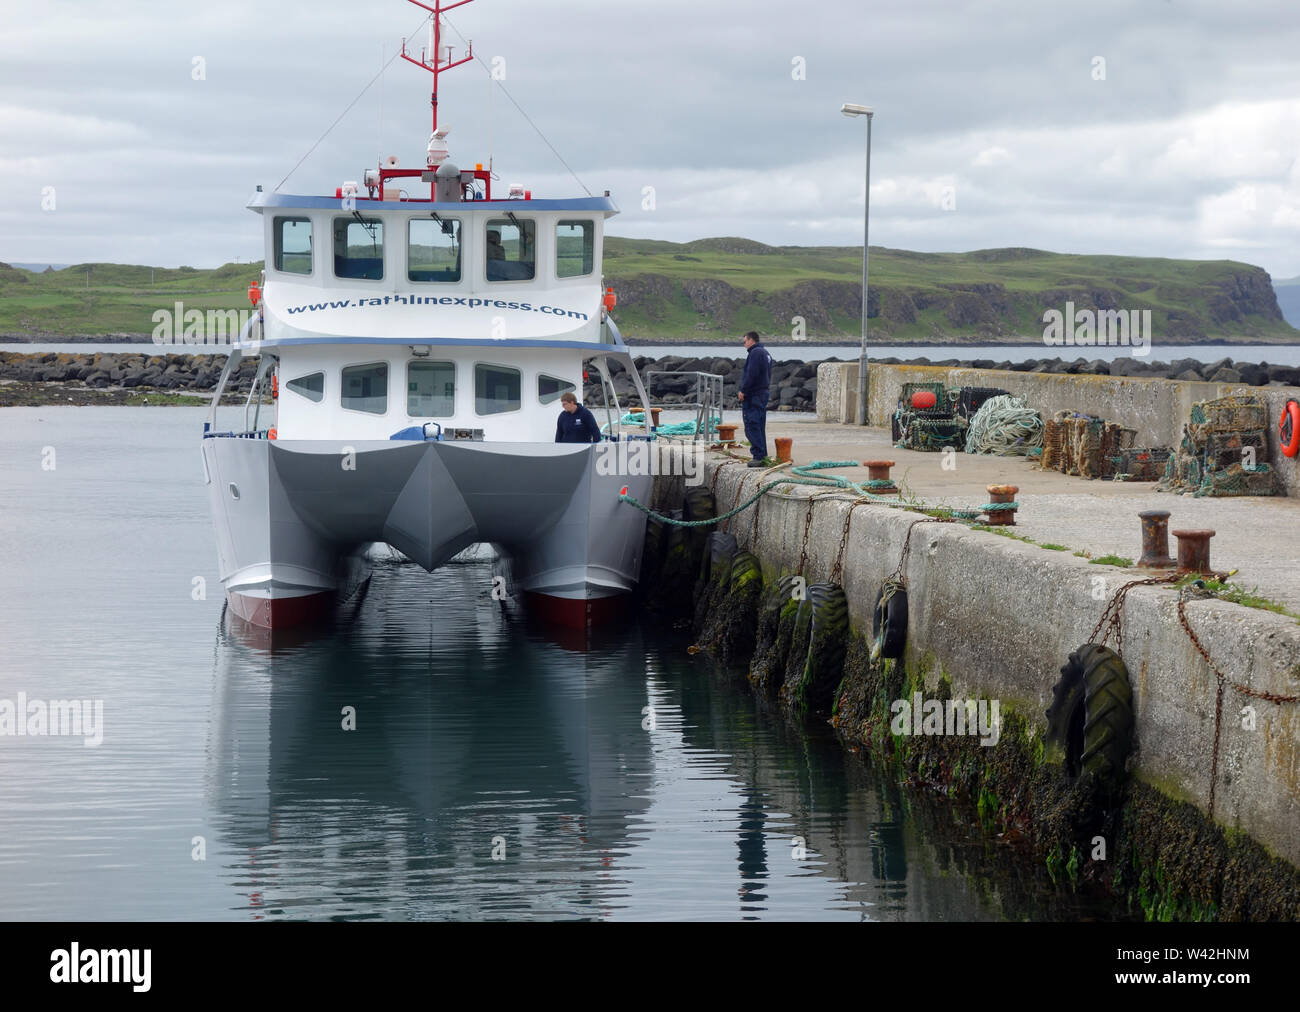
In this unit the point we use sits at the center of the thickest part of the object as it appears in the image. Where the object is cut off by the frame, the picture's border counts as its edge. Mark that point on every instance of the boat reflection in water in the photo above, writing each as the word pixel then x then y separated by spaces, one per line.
pixel 494 772
pixel 472 738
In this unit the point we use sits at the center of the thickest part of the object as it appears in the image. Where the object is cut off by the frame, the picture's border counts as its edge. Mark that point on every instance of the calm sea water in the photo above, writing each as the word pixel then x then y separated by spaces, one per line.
pixel 1274 354
pixel 478 736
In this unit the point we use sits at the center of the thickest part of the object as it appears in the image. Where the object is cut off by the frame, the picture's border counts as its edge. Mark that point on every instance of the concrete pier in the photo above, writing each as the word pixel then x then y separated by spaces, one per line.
pixel 998 617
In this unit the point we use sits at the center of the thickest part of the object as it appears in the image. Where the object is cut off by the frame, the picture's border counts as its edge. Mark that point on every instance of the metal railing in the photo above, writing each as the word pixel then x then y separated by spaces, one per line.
pixel 706 400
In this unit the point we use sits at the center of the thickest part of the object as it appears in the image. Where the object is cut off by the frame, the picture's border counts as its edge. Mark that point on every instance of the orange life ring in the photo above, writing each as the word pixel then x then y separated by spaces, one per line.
pixel 1288 429
pixel 271 434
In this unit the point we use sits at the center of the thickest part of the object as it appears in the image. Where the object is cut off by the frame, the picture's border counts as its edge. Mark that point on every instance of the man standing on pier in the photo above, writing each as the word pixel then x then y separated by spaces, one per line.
pixel 754 385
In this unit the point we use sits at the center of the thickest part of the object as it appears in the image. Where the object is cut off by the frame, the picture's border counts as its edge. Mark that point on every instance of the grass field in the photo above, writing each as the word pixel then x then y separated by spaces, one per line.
pixel 713 287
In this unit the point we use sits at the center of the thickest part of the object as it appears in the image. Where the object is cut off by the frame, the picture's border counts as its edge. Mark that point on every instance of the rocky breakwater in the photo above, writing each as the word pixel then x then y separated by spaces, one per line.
pixel 105 371
pixel 794 384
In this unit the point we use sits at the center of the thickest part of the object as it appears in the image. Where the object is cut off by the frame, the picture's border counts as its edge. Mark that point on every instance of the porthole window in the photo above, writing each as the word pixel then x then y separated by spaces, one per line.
pixel 431 389
pixel 433 250
pixel 511 249
pixel 292 245
pixel 365 388
pixel 575 248
pixel 497 389
pixel 359 248
pixel 549 388
pixel 312 387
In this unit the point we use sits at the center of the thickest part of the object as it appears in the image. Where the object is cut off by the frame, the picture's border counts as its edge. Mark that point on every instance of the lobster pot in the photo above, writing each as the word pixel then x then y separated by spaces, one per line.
pixel 1138 463
pixel 1051 444
pixel 1085 447
pixel 934 434
pixel 1229 414
pixel 1224 450
pixel 1237 480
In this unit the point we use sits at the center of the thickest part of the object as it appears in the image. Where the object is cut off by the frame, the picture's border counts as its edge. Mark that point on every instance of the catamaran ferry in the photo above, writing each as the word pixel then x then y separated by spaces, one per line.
pixel 418 347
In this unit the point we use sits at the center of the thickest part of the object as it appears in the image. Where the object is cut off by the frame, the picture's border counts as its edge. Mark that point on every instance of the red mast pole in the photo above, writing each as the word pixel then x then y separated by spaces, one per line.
pixel 437 67
pixel 434 64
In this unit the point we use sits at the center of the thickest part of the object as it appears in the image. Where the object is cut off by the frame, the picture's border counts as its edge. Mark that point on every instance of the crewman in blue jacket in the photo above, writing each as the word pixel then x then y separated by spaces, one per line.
pixel 576 424
pixel 754 385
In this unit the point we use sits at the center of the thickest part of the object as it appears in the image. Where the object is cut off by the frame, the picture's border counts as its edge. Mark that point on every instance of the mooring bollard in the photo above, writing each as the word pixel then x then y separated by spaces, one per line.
pixel 654 417
pixel 1155 540
pixel 783 444
pixel 726 433
pixel 999 495
pixel 1194 552
pixel 878 480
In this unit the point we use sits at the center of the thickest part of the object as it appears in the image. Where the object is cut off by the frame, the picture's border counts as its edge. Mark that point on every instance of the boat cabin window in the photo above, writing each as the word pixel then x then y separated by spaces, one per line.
pixel 359 248
pixel 312 387
pixel 433 250
pixel 293 245
pixel 497 389
pixel 365 388
pixel 575 248
pixel 549 388
pixel 430 389
pixel 511 247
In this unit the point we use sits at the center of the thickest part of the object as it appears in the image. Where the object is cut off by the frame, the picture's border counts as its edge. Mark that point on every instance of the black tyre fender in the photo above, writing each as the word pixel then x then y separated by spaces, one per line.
pixel 745 569
pixel 698 504
pixel 1090 721
pixel 889 621
pixel 719 550
pixel 827 642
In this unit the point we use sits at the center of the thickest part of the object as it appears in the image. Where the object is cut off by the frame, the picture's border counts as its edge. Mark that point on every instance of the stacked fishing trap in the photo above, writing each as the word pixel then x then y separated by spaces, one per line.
pixel 1091 447
pixel 1224 450
pixel 932 417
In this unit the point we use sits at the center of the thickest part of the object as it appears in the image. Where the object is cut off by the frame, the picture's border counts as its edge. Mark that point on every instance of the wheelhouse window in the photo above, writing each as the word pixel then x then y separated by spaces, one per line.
pixel 359 248
pixel 511 249
pixel 433 250
pixel 292 245
pixel 497 389
pixel 365 388
pixel 431 389
pixel 549 388
pixel 575 248
pixel 312 387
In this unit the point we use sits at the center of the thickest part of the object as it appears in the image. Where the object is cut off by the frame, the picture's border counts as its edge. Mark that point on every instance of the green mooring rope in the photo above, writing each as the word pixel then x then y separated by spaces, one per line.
pixel 833 481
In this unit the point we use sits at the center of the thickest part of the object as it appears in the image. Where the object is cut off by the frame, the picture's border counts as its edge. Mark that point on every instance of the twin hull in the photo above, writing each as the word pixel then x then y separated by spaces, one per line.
pixel 293 518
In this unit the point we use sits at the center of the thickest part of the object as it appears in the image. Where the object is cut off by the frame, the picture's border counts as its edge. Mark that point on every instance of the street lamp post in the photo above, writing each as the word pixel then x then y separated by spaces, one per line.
pixel 861 110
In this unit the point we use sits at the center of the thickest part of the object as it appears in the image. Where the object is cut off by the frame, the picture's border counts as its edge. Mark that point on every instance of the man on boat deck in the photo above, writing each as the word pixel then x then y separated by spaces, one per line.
pixel 576 424
pixel 754 383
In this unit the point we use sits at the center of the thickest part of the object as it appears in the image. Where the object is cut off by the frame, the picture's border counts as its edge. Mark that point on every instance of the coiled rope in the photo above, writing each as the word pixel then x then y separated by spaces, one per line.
pixel 1005 426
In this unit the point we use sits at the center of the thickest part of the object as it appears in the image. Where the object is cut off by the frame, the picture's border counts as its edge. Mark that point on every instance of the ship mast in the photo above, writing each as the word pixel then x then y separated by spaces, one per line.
pixel 435 63
pixel 438 66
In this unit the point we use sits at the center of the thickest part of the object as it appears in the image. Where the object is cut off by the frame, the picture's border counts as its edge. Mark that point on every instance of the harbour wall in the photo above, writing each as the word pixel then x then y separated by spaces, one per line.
pixel 994 618
pixel 1156 408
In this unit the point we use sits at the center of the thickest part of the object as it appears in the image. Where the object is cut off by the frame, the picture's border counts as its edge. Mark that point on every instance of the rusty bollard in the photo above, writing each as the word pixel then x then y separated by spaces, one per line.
pixel 878 480
pixel 1155 540
pixel 1194 552
pixel 1002 494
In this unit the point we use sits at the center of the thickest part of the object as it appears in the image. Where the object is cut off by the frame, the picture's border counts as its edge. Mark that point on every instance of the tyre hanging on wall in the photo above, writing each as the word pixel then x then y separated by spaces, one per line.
pixel 1090 721
pixel 889 621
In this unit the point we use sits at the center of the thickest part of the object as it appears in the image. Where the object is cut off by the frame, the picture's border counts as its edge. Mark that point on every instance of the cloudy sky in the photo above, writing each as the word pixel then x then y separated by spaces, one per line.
pixel 1160 127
